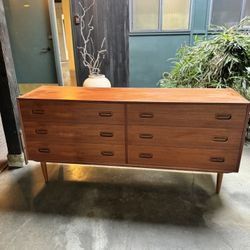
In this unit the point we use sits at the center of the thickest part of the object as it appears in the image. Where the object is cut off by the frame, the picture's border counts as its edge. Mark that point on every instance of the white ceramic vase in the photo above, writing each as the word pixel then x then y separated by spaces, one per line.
pixel 97 81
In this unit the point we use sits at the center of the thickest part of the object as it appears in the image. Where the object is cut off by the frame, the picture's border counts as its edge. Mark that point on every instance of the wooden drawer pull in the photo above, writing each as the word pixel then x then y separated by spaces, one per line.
pixel 146 155
pixel 146 115
pixel 220 138
pixel 38 111
pixel 146 136
pixel 223 116
pixel 44 150
pixel 105 114
pixel 41 131
pixel 107 153
pixel 106 134
pixel 217 159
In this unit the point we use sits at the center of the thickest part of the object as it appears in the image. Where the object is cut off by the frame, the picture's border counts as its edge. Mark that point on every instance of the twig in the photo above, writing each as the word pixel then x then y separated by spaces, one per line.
pixel 91 59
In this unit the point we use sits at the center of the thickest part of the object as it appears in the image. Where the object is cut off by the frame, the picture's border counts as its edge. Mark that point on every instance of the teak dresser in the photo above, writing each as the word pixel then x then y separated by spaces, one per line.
pixel 180 129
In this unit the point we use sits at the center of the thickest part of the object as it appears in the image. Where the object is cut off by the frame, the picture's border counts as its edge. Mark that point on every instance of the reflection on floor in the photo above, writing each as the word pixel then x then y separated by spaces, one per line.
pixel 84 207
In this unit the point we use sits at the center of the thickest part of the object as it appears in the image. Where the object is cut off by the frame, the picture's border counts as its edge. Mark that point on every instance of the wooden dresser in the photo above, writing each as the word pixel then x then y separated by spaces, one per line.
pixel 181 129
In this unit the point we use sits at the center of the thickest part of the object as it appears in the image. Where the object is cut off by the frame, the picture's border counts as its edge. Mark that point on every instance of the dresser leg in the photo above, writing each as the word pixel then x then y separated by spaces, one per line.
pixel 45 172
pixel 218 182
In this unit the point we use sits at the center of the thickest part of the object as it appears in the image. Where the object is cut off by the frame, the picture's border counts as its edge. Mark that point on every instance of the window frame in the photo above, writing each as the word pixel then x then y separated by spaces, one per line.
pixel 160 20
pixel 242 13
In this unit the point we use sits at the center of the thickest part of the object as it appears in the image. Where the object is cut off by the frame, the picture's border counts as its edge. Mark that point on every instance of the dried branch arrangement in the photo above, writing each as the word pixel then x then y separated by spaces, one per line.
pixel 91 58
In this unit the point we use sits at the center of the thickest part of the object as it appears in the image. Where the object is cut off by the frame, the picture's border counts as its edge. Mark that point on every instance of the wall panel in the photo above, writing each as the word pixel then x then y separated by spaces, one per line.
pixel 111 21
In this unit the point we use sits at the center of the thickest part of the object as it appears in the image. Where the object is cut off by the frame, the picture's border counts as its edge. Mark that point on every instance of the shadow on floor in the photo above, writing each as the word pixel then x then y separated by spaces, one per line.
pixel 115 193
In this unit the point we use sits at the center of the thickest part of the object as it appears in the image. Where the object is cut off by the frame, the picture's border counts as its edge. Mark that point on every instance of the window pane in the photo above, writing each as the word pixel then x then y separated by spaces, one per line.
pixel 145 15
pixel 226 12
pixel 175 14
pixel 247 8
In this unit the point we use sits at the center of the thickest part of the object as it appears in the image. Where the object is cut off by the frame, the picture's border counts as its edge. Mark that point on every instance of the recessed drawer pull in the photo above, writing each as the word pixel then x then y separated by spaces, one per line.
pixel 146 155
pixel 106 134
pixel 223 116
pixel 220 138
pixel 38 111
pixel 41 131
pixel 217 159
pixel 107 153
pixel 146 136
pixel 105 114
pixel 146 115
pixel 44 150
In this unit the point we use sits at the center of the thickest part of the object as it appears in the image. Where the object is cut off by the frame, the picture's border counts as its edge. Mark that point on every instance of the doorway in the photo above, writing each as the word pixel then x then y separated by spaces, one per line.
pixel 31 42
pixel 62 35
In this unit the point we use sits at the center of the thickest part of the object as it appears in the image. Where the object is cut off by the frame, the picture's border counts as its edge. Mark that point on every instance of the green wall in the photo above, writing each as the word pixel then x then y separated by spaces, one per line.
pixel 149 53
pixel 149 57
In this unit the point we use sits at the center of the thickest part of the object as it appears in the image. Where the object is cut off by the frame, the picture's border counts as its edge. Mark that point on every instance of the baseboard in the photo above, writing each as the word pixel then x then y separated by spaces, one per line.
pixel 16 160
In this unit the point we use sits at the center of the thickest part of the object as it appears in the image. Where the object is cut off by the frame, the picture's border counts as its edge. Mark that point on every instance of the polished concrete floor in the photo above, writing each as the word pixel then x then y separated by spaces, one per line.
pixel 98 208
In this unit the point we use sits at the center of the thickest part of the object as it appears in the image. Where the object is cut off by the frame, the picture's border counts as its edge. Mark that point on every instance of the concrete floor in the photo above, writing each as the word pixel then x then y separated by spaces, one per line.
pixel 113 208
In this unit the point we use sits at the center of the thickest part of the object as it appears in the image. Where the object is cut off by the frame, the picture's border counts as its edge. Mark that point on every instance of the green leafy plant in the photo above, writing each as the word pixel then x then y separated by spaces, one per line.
pixel 219 62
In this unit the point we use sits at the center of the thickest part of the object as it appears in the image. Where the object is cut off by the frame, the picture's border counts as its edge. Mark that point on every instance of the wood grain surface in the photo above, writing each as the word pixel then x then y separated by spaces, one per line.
pixel 76 153
pixel 72 112
pixel 182 129
pixel 110 20
pixel 191 115
pixel 74 133
pixel 194 158
pixel 145 95
pixel 184 137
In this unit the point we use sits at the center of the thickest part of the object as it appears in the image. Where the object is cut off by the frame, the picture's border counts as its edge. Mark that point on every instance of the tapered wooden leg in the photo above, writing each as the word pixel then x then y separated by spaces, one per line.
pixel 45 172
pixel 218 183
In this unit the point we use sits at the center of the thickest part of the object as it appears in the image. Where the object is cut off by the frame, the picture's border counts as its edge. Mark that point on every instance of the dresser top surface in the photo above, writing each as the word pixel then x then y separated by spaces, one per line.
pixel 136 95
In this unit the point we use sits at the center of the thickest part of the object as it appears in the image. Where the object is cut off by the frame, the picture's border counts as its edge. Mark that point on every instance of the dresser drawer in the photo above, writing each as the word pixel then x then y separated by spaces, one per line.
pixel 184 158
pixel 77 153
pixel 184 137
pixel 72 112
pixel 74 133
pixel 187 115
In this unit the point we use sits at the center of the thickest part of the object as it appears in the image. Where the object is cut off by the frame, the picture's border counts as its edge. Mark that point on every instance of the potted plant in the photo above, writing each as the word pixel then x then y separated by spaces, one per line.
pixel 91 58
pixel 219 62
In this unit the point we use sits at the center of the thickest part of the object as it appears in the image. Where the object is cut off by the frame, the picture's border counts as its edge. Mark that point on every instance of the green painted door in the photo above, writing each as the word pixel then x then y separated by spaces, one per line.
pixel 31 41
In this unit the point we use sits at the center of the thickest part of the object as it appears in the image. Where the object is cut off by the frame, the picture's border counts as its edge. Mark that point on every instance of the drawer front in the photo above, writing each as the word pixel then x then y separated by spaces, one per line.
pixel 187 115
pixel 72 112
pixel 77 153
pixel 184 137
pixel 74 133
pixel 184 158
